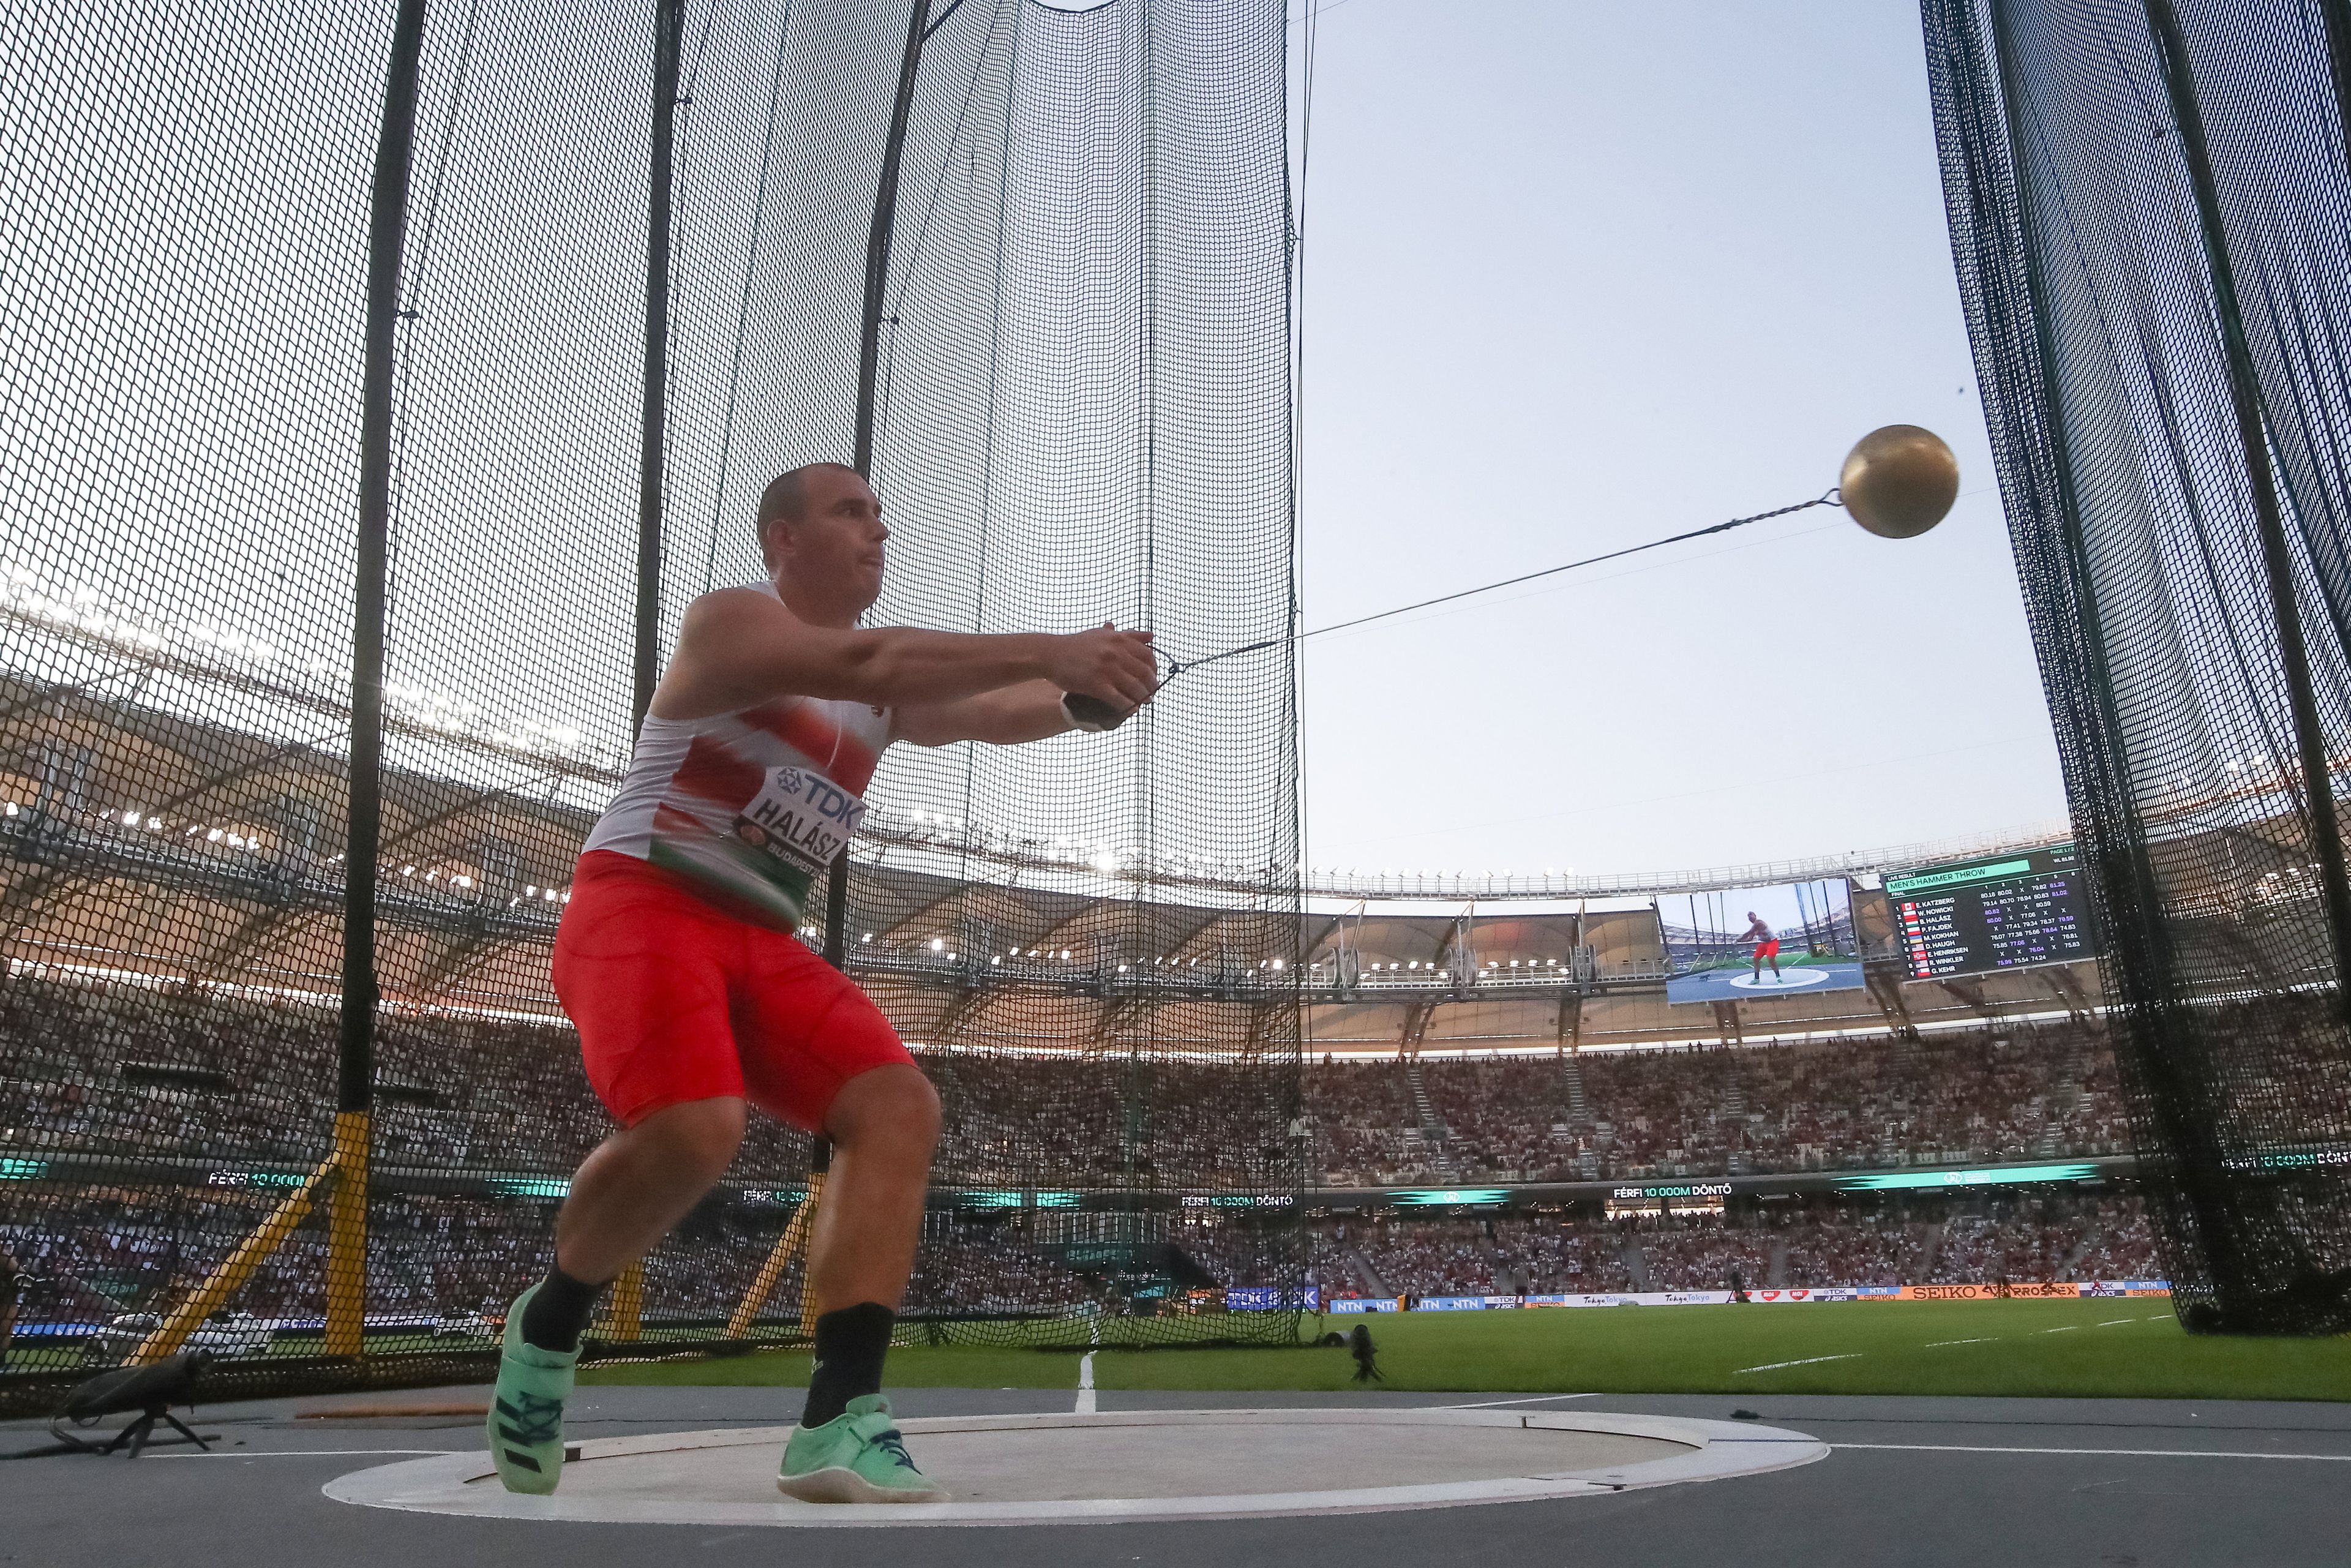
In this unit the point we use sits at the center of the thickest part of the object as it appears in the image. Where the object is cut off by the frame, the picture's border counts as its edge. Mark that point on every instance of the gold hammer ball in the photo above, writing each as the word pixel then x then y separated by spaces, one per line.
pixel 1899 481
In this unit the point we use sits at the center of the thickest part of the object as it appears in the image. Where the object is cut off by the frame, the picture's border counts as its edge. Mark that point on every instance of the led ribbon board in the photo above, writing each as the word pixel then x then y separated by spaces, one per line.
pixel 1991 1176
pixel 1435 1197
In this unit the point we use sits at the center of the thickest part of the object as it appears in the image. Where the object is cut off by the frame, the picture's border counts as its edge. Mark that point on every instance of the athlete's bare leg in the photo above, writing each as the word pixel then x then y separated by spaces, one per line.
pixel 640 1182
pixel 883 1124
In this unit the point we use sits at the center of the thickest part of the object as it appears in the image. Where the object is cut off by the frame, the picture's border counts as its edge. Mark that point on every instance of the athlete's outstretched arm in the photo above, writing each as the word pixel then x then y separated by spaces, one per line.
pixel 1029 711
pixel 740 647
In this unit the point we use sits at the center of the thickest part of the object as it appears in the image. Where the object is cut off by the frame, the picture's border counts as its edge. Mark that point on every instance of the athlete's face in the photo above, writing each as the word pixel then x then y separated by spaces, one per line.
pixel 835 549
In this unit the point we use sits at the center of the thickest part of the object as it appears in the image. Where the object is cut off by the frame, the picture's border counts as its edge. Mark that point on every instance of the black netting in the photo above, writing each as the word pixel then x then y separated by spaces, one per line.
pixel 2149 213
pixel 1081 413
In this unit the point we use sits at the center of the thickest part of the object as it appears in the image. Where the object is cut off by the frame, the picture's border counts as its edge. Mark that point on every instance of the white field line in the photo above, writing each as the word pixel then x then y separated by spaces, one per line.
pixel 1937 1344
pixel 2158 1317
pixel 1085 1405
pixel 1808 1361
pixel 2067 1328
pixel 2112 1321
pixel 1531 1400
pixel 2116 1453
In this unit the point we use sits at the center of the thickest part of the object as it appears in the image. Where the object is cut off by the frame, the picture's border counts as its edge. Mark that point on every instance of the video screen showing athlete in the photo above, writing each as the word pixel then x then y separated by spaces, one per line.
pixel 677 961
pixel 1766 945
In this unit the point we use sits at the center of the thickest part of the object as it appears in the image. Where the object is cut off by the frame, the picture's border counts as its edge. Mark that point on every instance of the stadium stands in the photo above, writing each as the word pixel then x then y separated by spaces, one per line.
pixel 118 1070
pixel 2009 1093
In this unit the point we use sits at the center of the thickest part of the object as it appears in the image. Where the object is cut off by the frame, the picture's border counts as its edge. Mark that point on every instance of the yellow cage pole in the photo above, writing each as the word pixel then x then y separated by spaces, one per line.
pixel 347 1238
pixel 624 1314
pixel 823 1163
pixel 222 1282
pixel 779 1257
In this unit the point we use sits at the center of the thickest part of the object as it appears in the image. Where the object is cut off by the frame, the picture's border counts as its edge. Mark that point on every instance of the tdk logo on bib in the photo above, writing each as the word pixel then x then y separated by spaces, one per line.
pixel 800 816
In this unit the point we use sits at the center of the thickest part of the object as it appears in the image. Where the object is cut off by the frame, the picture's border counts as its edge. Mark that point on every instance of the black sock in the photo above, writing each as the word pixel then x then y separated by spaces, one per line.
pixel 850 1346
pixel 557 1315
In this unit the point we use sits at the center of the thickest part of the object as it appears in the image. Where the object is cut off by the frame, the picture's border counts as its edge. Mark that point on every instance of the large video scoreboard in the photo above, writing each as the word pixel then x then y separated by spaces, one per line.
pixel 2003 912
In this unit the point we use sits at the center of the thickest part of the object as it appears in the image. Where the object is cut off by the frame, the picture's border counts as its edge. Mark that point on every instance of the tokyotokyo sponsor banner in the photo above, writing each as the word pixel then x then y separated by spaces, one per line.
pixel 1366 1304
pixel 1450 1304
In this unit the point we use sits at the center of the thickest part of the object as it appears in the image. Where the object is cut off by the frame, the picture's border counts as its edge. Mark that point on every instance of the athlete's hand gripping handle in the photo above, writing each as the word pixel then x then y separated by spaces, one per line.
pixel 1104 675
pixel 1091 714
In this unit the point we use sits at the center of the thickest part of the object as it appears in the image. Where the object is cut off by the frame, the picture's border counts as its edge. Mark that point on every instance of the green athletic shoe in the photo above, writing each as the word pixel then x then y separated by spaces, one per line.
pixel 526 1422
pixel 856 1457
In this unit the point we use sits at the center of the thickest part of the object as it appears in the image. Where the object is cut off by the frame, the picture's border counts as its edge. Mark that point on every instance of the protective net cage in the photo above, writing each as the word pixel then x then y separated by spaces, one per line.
pixel 1080 412
pixel 2148 205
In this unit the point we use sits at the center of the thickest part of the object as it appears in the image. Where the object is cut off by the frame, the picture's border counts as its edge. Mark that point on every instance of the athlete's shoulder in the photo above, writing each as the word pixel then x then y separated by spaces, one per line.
pixel 758 598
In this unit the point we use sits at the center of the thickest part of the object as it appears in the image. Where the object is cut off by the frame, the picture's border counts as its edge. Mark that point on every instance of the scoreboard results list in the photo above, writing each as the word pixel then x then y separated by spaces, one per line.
pixel 2003 913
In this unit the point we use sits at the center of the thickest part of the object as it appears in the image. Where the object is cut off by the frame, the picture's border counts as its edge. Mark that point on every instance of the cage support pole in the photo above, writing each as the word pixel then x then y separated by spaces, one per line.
pixel 669 27
pixel 2277 560
pixel 779 1257
pixel 355 1092
pixel 234 1270
pixel 625 1308
pixel 869 364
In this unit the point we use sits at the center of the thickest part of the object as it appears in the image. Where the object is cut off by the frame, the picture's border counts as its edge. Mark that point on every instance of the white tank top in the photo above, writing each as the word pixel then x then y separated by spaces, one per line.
pixel 748 806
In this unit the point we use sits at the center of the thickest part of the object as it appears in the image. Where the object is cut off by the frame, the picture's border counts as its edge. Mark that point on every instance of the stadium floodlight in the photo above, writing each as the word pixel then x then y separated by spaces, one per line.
pixel 938 945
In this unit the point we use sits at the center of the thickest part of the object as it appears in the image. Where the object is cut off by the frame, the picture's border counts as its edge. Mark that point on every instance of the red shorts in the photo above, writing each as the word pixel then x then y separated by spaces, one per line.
pixel 1767 949
pixel 677 1001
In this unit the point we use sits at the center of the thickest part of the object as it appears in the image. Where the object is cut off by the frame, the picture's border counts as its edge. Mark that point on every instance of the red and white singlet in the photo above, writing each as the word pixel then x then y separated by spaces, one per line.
pixel 748 806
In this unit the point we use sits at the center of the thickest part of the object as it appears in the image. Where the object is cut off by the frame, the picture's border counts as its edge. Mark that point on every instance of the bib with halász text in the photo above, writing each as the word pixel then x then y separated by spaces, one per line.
pixel 800 816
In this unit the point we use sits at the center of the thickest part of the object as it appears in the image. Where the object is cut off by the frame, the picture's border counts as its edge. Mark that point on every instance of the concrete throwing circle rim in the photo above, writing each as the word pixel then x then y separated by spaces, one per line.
pixel 461 1484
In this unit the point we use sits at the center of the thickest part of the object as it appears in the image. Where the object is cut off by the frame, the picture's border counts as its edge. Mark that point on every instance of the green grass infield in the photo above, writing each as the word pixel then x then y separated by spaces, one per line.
pixel 2119 1348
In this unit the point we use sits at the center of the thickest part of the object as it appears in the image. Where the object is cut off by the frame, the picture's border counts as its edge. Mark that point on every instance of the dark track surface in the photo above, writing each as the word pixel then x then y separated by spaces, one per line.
pixel 260 1507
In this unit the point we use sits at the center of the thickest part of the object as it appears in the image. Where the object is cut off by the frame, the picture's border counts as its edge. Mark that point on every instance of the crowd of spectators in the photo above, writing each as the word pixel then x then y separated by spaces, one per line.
pixel 433 1258
pixel 2011 1092
pixel 1557 1257
pixel 1430 1258
pixel 1824 1243
pixel 250 1076
pixel 1706 1256
pixel 245 1080
pixel 1864 1248
pixel 2123 1246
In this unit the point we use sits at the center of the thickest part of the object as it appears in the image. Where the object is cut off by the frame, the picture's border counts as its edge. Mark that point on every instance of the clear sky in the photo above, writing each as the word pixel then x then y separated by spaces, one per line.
pixel 1581 276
